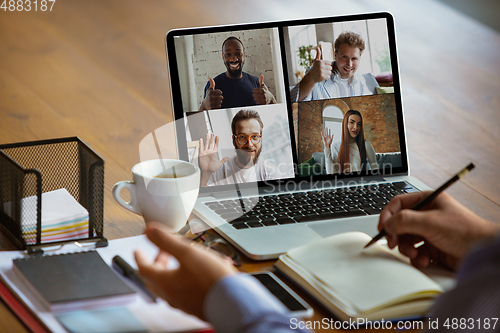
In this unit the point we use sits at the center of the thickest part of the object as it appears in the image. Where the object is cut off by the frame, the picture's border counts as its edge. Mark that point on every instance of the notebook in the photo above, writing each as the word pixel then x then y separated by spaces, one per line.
pixel 216 72
pixel 335 270
pixel 72 281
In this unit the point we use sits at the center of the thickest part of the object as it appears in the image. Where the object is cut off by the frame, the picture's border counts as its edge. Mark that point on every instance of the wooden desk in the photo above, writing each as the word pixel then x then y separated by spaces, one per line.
pixel 97 69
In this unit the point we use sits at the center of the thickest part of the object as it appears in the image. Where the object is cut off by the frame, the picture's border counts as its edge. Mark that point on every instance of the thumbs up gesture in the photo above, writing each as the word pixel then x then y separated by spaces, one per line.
pixel 262 95
pixel 321 69
pixel 213 98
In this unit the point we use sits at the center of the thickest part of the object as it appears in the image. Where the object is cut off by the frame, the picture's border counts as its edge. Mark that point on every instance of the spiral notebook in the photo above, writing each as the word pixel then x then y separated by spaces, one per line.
pixel 72 281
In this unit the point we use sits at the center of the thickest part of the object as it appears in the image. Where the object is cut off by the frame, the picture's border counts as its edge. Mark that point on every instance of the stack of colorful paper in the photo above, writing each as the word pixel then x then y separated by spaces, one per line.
pixel 63 218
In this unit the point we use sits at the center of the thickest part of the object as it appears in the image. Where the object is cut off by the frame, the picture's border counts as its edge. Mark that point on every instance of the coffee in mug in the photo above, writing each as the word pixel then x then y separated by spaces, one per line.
pixel 170 175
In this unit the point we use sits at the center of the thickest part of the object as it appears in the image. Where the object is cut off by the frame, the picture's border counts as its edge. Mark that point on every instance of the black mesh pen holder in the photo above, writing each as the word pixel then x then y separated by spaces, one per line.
pixel 29 169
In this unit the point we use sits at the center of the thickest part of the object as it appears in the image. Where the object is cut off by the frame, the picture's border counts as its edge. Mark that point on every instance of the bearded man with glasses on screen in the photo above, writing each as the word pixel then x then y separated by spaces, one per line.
pixel 245 166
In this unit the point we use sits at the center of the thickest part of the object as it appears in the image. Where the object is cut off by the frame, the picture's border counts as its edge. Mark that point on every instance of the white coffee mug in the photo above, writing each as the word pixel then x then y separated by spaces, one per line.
pixel 162 190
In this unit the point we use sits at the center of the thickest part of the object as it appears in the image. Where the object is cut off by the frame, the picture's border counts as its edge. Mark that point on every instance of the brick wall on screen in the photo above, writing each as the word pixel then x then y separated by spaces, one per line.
pixel 379 118
pixel 310 126
pixel 207 57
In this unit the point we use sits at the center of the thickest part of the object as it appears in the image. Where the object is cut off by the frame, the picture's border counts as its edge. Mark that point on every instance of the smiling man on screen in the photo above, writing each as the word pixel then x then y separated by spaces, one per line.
pixel 235 88
pixel 327 80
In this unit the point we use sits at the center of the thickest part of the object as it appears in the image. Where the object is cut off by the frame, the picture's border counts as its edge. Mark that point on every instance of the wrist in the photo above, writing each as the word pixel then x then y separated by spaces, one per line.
pixel 203 105
pixel 204 177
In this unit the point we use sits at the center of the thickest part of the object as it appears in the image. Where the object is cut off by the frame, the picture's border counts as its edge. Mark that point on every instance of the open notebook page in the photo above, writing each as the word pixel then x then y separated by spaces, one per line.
pixel 369 278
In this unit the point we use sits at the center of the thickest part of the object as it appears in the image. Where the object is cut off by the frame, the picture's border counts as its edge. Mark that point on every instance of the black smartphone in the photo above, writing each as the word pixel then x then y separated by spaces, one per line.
pixel 297 306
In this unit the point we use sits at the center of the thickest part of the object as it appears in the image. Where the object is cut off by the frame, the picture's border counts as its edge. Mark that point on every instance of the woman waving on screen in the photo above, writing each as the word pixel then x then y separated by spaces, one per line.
pixel 353 153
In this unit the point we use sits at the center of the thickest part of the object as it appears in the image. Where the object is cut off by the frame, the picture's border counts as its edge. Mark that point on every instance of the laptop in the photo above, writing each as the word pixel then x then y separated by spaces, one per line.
pixel 298 125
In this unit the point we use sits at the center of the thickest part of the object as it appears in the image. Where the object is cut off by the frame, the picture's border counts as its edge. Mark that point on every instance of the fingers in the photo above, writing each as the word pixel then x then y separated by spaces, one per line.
pixel 143 263
pixel 202 147
pixel 406 221
pixel 318 53
pixel 407 245
pixel 261 80
pixel 162 258
pixel 224 160
pixel 424 255
pixel 321 69
pixel 156 276
pixel 327 134
pixel 141 258
pixel 216 143
pixel 211 144
pixel 215 99
pixel 150 271
pixel 259 94
pixel 207 142
pixel 398 203
pixel 397 219
pixel 163 237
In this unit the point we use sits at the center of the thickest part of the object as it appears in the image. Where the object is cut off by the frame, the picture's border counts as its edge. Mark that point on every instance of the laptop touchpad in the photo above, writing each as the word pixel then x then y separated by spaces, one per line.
pixel 367 225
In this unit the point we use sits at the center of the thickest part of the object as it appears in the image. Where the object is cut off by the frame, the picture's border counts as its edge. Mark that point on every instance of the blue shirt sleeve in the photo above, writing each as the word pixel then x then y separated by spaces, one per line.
pixel 474 303
pixel 239 303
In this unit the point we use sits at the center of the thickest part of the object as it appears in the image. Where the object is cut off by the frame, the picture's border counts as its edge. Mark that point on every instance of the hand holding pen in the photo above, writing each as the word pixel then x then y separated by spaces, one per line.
pixel 446 228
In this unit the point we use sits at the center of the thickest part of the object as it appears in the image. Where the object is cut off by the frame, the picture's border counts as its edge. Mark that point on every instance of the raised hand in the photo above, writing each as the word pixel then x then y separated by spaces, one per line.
pixel 327 136
pixel 213 98
pixel 262 95
pixel 207 158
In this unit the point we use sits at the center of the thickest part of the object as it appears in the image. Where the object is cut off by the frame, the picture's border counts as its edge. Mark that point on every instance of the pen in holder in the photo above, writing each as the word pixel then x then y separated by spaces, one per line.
pixel 29 169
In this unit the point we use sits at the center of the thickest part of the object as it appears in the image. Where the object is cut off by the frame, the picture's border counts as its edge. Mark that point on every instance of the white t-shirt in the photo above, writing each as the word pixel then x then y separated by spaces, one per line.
pixel 343 87
pixel 332 154
pixel 230 173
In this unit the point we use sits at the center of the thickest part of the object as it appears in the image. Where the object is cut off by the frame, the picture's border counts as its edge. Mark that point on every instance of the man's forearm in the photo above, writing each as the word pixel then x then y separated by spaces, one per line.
pixel 306 85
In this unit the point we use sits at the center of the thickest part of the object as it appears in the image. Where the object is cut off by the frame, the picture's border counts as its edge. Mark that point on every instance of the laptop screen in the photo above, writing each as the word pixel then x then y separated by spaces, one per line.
pixel 296 100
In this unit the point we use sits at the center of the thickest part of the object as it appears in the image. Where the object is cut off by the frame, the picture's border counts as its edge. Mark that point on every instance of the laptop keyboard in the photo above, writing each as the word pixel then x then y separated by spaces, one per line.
pixel 311 206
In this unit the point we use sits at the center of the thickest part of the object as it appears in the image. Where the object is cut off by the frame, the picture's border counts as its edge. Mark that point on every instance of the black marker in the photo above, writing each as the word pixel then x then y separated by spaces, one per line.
pixel 130 273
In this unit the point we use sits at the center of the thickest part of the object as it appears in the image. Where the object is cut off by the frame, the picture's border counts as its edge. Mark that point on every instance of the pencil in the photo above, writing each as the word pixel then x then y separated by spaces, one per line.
pixel 429 198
